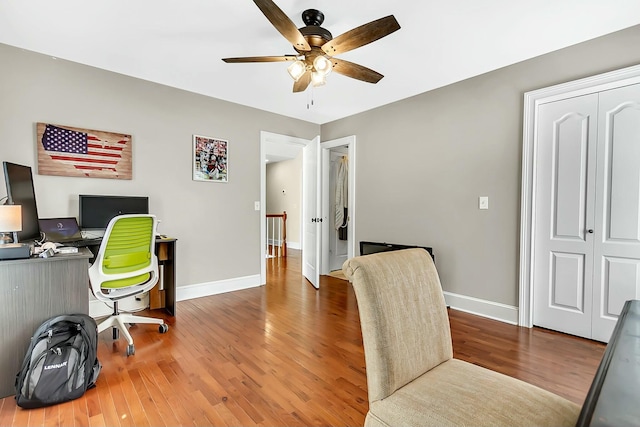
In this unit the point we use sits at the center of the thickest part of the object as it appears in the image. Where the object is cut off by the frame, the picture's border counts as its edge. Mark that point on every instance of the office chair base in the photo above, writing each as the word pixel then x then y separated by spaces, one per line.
pixel 120 322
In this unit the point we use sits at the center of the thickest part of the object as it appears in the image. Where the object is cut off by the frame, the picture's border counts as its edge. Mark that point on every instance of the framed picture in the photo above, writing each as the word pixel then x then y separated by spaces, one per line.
pixel 210 159
pixel 69 151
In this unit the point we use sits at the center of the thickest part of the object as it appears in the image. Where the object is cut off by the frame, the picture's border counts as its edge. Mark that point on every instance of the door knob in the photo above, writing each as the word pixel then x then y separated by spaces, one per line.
pixel 590 231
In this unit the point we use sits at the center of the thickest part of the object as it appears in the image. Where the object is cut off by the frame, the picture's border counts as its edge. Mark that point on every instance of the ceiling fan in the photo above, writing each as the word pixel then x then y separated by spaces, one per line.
pixel 316 47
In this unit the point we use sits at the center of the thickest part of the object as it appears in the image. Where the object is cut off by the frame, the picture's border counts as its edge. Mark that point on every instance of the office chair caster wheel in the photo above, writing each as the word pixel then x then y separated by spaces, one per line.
pixel 163 328
pixel 115 333
pixel 131 350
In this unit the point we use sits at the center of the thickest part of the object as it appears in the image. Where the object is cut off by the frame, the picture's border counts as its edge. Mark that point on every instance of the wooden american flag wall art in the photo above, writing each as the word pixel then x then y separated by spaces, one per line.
pixel 69 151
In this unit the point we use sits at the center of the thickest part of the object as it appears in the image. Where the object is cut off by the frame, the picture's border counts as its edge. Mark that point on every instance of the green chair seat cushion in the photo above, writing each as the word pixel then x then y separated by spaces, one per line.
pixel 129 281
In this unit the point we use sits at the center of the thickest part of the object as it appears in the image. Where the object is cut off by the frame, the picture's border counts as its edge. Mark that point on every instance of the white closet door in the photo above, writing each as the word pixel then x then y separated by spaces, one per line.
pixel 564 191
pixel 617 229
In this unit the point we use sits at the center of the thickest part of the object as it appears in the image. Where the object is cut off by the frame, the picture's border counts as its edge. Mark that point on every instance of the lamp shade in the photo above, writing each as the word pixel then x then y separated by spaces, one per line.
pixel 297 69
pixel 10 218
pixel 317 79
pixel 322 65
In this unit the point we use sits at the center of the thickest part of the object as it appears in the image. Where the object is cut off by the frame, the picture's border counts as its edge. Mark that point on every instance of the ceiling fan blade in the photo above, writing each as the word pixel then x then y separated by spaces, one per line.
pixel 287 28
pixel 361 35
pixel 355 71
pixel 302 83
pixel 260 59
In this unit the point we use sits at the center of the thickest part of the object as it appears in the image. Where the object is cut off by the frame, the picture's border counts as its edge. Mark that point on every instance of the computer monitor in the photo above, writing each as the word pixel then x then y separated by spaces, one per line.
pixel 96 211
pixel 19 182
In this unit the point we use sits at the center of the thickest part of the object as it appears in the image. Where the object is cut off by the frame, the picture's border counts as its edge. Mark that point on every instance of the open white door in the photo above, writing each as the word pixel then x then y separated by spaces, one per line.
pixel 311 215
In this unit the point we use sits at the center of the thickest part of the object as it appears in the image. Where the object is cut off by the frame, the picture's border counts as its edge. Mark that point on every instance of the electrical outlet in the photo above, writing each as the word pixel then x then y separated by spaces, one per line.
pixel 483 202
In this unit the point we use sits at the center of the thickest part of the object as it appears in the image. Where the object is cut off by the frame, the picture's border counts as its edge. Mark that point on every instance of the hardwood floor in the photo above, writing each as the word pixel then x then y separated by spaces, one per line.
pixel 283 355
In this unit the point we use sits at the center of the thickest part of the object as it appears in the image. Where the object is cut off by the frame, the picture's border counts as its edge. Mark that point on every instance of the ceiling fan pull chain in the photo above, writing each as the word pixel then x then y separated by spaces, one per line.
pixel 310 98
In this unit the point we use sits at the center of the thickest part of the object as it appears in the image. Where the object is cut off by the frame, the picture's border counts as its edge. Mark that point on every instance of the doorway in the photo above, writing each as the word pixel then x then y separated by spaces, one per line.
pixel 321 175
pixel 339 221
pixel 338 245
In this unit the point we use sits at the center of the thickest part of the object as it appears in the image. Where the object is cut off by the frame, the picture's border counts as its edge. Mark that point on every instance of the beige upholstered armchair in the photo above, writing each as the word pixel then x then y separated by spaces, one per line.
pixel 413 379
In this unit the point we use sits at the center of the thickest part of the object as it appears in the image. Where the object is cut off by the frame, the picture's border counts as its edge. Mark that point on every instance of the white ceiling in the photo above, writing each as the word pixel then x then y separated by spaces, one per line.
pixel 181 43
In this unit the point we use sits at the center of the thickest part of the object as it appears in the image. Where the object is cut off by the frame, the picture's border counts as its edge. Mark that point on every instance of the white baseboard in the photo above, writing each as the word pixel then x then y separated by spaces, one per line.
pixel 218 287
pixel 290 245
pixel 293 245
pixel 492 310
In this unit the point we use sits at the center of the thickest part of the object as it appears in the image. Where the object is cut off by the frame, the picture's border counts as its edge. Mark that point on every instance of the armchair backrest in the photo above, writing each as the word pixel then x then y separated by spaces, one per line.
pixel 126 263
pixel 403 316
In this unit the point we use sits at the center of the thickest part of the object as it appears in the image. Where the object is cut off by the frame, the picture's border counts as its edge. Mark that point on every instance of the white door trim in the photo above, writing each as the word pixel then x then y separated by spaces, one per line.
pixel 265 138
pixel 532 100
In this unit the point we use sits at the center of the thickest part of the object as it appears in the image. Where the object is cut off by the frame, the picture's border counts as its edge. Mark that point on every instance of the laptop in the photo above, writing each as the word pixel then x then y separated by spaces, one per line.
pixel 65 231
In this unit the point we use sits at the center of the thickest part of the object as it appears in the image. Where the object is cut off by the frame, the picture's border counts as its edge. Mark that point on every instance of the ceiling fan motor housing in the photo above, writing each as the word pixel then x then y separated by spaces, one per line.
pixel 315 35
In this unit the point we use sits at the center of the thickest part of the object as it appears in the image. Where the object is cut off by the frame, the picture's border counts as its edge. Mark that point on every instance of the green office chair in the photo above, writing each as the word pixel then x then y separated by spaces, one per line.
pixel 126 265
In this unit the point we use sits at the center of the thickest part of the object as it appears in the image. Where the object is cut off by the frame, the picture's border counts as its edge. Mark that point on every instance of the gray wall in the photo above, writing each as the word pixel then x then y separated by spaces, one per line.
pixel 216 224
pixel 423 162
pixel 286 175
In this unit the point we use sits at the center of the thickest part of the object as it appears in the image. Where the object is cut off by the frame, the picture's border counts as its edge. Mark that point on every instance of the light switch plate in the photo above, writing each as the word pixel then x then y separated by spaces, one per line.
pixel 483 202
pixel 256 206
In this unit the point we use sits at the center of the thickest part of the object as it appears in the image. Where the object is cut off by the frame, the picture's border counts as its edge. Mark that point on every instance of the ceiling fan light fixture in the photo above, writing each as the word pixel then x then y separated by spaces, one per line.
pixel 316 47
pixel 322 65
pixel 318 79
pixel 297 69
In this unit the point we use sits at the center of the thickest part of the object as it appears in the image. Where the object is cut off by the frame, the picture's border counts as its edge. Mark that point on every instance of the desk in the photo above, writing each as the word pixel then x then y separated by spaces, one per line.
pixel 613 397
pixel 31 291
pixel 164 294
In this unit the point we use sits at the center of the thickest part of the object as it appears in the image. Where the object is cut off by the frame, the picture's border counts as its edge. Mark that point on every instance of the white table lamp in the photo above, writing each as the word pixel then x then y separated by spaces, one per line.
pixel 10 221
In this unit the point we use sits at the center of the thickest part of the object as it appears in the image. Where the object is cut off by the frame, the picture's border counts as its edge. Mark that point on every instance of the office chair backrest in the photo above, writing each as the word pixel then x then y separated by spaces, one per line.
pixel 126 259
pixel 403 316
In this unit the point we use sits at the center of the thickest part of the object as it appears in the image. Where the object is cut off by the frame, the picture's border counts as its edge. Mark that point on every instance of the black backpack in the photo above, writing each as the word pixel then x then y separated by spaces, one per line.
pixel 61 362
